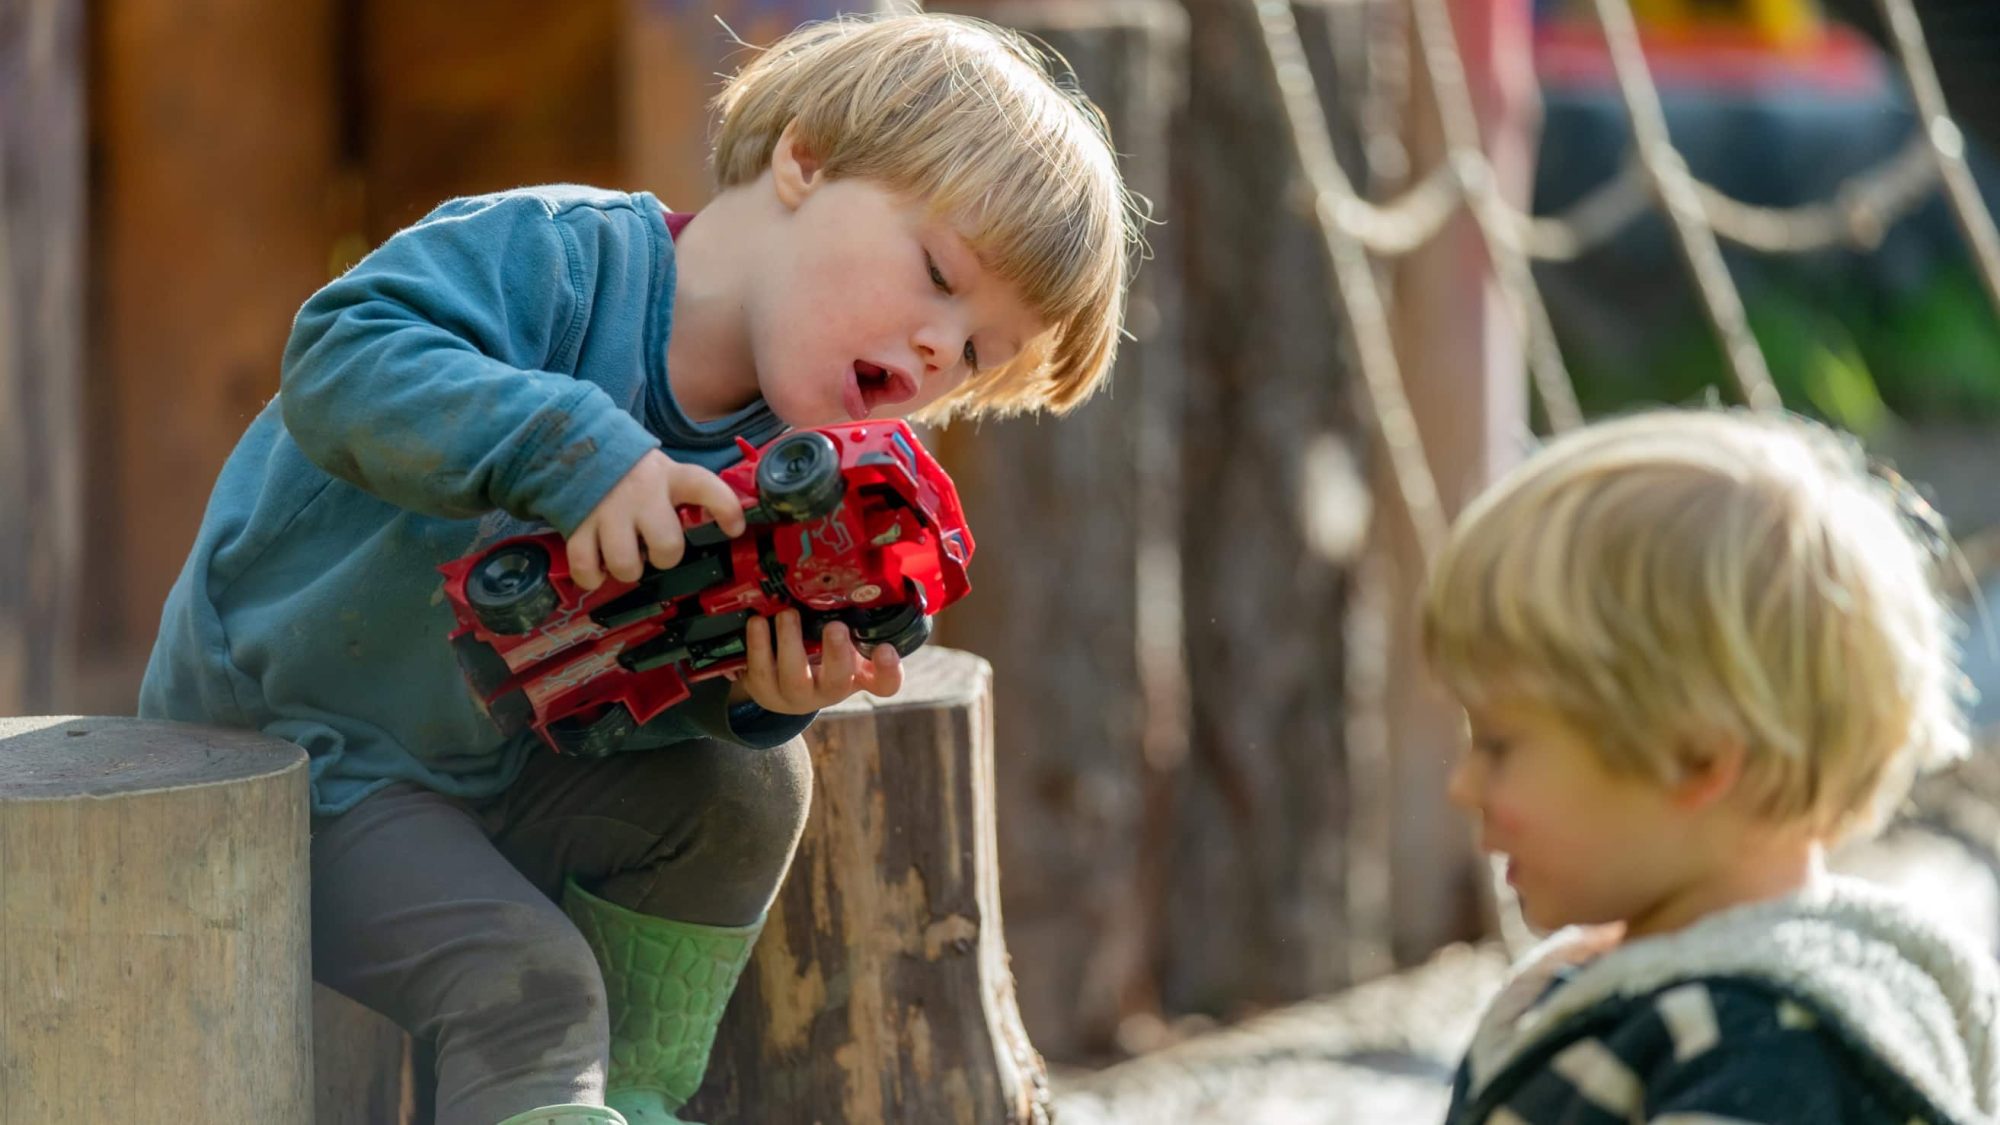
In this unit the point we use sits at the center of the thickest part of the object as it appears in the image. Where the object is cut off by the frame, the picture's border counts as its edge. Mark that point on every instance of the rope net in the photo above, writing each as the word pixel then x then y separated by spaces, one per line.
pixel 1357 231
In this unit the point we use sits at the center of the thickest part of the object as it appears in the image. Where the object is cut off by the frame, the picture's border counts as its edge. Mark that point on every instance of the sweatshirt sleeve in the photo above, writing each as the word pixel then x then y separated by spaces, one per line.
pixel 707 713
pixel 424 375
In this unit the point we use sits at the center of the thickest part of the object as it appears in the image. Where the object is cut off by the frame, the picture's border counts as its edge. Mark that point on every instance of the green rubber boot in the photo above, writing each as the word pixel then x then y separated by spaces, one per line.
pixel 667 983
pixel 567 1115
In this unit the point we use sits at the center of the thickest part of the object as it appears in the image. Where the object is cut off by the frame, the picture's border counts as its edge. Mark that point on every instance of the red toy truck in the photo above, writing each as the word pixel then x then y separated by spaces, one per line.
pixel 852 522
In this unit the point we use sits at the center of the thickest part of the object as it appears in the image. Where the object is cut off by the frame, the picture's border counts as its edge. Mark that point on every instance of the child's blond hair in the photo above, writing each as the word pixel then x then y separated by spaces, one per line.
pixel 973 122
pixel 1677 581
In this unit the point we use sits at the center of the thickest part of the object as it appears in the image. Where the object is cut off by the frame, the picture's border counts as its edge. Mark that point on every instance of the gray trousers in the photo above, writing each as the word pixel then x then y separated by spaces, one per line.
pixel 441 913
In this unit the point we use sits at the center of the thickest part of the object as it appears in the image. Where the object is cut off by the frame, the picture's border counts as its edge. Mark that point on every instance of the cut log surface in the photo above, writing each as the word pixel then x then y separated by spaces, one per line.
pixel 880 990
pixel 153 923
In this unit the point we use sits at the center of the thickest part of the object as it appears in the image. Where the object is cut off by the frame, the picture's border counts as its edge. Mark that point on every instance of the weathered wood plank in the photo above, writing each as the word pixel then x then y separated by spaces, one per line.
pixel 41 338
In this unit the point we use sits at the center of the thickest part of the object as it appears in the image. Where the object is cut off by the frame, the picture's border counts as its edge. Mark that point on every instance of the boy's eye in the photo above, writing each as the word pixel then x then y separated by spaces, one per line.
pixel 937 278
pixel 971 356
pixel 1494 748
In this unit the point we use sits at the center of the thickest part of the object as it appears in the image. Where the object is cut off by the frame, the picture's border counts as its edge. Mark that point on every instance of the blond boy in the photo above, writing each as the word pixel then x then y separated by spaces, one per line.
pixel 1697 648
pixel 914 217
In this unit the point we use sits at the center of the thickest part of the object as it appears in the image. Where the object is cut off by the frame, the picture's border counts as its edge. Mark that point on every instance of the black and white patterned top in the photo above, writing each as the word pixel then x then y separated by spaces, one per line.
pixel 1838 1007
pixel 1713 1052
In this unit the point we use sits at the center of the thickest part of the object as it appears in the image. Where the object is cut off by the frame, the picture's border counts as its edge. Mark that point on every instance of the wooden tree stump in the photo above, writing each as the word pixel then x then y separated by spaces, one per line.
pixel 153 918
pixel 880 990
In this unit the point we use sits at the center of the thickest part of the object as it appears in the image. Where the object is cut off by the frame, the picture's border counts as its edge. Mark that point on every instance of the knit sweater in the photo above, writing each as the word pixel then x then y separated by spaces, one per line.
pixel 1841 1005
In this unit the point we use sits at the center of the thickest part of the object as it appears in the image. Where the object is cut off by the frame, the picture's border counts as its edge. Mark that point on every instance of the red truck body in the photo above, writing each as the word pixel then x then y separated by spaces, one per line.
pixel 853 522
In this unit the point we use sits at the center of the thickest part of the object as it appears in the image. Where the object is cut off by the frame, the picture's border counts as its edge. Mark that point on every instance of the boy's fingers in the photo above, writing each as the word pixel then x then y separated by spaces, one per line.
pixel 758 670
pixel 660 527
pixel 838 661
pixel 692 484
pixel 887 666
pixel 582 552
pixel 795 678
pixel 618 541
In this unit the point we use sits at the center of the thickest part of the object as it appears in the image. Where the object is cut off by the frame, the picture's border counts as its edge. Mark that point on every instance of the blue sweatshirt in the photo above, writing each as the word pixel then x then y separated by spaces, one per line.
pixel 502 360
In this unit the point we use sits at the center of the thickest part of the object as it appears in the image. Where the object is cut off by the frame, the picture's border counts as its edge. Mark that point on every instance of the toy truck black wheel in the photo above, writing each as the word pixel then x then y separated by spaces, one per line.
pixel 509 591
pixel 911 637
pixel 597 737
pixel 904 627
pixel 799 476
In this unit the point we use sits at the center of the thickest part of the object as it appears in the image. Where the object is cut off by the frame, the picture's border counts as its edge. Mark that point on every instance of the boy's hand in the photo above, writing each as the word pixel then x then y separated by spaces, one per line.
pixel 785 682
pixel 638 510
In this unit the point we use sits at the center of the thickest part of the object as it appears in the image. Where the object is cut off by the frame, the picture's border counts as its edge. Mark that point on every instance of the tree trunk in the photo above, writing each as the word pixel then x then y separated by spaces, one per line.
pixel 41 334
pixel 1268 903
pixel 153 909
pixel 1083 626
pixel 879 991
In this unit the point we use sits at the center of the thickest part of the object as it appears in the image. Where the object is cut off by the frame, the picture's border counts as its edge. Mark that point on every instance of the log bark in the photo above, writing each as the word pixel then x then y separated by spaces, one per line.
pixel 1077 590
pixel 153 910
pixel 41 336
pixel 1267 905
pixel 880 991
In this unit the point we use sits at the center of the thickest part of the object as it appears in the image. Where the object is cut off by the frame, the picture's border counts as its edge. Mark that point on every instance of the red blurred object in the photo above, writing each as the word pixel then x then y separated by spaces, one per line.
pixel 1835 59
pixel 854 523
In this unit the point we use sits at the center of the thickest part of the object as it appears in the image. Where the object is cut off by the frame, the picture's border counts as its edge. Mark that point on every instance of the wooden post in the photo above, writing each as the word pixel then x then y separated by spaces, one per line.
pixel 153 910
pixel 1084 627
pixel 879 991
pixel 467 96
pixel 1275 507
pixel 211 223
pixel 41 335
pixel 1462 363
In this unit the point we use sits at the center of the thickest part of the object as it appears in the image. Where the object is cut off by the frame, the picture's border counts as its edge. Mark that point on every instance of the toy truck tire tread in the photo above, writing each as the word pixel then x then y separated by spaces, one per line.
pixel 509 591
pixel 799 476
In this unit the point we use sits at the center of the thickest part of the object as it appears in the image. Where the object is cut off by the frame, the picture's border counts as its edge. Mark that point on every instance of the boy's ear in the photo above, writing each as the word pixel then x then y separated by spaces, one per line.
pixel 795 172
pixel 1710 776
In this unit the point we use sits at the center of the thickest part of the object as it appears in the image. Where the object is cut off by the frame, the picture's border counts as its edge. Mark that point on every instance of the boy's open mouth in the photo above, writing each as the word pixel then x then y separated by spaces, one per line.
pixel 872 385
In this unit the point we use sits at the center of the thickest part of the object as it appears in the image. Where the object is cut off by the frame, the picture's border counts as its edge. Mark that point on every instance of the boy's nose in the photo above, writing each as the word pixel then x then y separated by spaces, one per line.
pixel 939 344
pixel 1462 788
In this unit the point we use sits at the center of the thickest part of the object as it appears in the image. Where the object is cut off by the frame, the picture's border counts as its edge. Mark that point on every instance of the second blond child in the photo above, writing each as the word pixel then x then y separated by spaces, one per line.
pixel 1698 648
